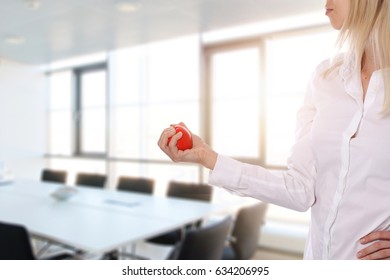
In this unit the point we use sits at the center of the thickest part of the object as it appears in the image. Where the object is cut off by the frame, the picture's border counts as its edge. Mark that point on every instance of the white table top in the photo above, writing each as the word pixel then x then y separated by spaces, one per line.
pixel 96 220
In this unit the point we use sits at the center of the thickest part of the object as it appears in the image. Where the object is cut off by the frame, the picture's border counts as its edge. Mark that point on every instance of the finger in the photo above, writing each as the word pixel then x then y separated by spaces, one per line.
pixel 168 132
pixel 374 236
pixel 173 142
pixel 373 249
pixel 378 255
pixel 163 140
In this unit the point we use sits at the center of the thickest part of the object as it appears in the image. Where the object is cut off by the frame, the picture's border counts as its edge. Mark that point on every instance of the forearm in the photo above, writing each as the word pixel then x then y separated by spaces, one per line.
pixel 287 189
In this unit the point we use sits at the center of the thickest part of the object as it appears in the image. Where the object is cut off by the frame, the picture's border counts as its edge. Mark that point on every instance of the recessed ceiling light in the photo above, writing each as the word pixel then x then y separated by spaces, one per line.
pixel 127 6
pixel 32 4
pixel 15 40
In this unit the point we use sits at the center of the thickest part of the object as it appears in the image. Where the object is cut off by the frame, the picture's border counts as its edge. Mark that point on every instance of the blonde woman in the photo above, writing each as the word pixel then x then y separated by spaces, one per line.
pixel 340 164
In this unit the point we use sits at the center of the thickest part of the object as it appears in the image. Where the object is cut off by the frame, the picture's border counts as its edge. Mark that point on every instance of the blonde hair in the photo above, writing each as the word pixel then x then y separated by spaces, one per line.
pixel 368 26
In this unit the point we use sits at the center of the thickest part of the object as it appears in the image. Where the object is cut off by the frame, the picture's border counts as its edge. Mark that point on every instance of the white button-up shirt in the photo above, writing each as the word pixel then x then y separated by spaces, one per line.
pixel 339 165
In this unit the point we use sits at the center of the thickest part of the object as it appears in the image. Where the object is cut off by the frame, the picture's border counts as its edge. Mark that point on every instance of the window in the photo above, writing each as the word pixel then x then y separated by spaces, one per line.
pixel 235 101
pixel 91 110
pixel 60 113
pixel 152 86
pixel 78 111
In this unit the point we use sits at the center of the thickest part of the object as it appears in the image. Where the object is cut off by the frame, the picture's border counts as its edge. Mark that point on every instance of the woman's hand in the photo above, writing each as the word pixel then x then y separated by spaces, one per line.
pixel 200 153
pixel 379 249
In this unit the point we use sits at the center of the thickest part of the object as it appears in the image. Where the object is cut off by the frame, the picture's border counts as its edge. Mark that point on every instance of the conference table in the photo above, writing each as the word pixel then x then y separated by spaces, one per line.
pixel 97 220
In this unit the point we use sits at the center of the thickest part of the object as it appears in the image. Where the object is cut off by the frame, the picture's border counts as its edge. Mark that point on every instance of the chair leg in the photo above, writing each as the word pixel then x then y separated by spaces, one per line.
pixel 113 255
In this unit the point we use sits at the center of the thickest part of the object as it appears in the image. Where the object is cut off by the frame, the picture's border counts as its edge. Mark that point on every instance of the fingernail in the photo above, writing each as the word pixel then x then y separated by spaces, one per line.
pixel 359 254
pixel 362 240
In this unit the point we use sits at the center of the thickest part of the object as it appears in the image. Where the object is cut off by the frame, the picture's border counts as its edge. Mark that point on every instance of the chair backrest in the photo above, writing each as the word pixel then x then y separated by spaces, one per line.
pixel 246 230
pixel 56 176
pixel 15 243
pixel 204 243
pixel 135 184
pixel 91 180
pixel 195 191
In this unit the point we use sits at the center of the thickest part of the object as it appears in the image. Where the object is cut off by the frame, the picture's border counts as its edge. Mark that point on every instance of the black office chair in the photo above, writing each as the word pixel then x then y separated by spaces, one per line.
pixel 195 191
pixel 205 243
pixel 15 244
pixel 246 232
pixel 133 184
pixel 56 176
pixel 91 180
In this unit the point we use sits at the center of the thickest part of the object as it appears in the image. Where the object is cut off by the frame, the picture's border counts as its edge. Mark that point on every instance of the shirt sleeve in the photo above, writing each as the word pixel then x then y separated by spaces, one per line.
pixel 292 188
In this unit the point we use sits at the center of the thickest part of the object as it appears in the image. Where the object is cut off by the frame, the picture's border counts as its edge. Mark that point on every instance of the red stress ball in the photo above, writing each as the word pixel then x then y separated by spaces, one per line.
pixel 185 142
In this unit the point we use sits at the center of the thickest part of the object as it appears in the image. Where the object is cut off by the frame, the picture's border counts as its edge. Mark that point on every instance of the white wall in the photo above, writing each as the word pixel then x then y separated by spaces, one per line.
pixel 22 118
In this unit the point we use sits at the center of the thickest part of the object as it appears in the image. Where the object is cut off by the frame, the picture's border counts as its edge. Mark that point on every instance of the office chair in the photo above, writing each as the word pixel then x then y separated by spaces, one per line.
pixel 195 191
pixel 205 243
pixel 56 176
pixel 91 180
pixel 15 244
pixel 132 184
pixel 246 232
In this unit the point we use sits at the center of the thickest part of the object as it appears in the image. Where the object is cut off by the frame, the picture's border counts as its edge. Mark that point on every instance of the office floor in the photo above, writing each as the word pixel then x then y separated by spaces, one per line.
pixel 270 254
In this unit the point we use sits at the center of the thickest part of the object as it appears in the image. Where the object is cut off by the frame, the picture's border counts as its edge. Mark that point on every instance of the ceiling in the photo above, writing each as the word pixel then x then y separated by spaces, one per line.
pixel 60 29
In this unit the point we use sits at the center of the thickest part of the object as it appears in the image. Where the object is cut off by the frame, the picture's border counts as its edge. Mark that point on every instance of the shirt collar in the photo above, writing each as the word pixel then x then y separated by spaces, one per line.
pixel 351 77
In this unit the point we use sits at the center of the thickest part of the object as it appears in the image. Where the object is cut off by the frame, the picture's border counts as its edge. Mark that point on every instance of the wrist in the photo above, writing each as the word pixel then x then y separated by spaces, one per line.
pixel 208 158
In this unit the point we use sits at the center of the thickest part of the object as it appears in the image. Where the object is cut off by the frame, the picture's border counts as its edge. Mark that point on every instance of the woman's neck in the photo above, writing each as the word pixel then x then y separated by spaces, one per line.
pixel 368 64
pixel 367 68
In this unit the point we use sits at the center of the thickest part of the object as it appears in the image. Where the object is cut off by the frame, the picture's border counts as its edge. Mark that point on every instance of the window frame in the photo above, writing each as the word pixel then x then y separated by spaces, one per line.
pixel 78 72
pixel 208 52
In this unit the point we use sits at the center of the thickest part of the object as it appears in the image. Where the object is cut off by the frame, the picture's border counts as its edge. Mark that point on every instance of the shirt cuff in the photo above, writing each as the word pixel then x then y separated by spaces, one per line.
pixel 226 172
